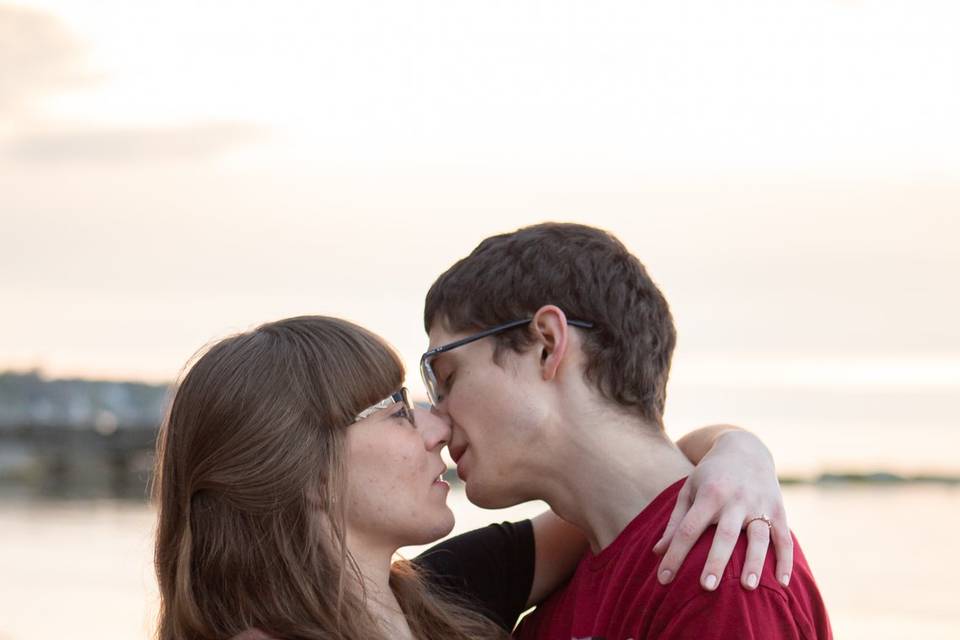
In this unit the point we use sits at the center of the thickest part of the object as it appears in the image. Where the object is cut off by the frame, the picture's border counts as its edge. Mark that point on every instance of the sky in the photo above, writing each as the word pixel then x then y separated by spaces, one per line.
pixel 789 173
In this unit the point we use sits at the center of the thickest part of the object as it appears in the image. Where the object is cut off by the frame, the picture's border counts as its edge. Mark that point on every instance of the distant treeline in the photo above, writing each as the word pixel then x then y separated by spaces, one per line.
pixel 28 399
pixel 879 477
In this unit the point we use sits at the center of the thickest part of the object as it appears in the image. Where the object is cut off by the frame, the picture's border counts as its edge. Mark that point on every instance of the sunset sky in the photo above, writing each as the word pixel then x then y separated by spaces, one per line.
pixel 788 172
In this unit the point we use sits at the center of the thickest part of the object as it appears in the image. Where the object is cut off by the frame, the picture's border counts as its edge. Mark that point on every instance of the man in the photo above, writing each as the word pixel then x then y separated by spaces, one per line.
pixel 550 352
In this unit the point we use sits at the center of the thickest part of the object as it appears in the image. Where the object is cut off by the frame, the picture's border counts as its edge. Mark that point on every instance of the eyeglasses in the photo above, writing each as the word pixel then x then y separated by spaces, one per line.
pixel 401 396
pixel 434 390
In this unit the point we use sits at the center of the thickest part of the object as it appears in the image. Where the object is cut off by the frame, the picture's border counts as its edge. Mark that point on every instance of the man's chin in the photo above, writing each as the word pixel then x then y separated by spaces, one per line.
pixel 487 497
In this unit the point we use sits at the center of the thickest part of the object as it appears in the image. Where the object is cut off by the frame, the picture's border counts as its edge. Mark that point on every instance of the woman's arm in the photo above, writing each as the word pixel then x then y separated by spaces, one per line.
pixel 559 546
pixel 696 444
pixel 735 477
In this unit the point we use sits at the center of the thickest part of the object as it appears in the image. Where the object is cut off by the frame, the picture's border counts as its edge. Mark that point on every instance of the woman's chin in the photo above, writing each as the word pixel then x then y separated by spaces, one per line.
pixel 449 521
pixel 440 525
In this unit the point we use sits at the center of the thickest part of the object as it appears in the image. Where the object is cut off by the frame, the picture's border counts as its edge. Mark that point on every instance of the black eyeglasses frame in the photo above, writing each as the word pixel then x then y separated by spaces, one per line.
pixel 426 369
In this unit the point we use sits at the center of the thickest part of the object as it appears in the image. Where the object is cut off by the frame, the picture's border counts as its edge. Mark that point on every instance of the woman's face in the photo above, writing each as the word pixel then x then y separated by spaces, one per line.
pixel 394 495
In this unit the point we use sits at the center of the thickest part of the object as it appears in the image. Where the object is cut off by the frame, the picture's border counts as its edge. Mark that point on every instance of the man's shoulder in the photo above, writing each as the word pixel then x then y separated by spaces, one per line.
pixel 781 612
pixel 692 569
pixel 693 565
pixel 648 525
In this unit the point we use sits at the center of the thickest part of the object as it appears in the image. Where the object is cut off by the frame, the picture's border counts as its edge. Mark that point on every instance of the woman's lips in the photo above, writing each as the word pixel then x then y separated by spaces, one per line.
pixel 438 479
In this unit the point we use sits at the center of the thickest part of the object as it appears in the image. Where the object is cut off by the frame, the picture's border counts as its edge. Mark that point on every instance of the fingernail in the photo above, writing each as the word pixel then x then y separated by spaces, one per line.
pixel 785 579
pixel 665 576
pixel 710 582
pixel 752 580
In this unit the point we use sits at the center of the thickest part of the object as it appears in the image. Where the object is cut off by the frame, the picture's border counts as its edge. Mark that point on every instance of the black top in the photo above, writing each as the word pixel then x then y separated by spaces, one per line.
pixel 491 567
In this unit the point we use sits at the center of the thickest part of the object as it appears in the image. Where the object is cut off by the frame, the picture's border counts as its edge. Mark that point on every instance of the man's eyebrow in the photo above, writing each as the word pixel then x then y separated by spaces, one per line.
pixel 447 358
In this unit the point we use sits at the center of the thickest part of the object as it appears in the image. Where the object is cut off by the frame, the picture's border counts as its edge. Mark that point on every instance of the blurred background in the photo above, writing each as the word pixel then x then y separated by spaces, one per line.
pixel 789 173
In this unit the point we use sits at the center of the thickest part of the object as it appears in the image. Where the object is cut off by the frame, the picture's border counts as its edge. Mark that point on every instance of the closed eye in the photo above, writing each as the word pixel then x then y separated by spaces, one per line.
pixel 445 386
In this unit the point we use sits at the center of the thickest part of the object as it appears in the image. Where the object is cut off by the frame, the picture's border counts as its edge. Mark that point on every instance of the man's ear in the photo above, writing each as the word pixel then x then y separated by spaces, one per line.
pixel 552 332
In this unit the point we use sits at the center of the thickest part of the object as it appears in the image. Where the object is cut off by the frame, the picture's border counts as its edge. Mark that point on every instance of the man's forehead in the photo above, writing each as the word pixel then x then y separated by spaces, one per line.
pixel 440 335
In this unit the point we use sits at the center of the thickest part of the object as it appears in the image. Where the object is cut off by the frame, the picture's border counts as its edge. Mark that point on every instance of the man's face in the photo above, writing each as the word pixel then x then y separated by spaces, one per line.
pixel 494 416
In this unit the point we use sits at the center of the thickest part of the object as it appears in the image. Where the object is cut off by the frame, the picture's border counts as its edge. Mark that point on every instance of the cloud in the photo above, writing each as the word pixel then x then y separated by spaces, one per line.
pixel 99 145
pixel 38 56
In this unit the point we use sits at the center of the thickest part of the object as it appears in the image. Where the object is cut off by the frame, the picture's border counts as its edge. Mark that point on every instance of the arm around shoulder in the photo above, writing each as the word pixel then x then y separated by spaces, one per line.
pixel 559 545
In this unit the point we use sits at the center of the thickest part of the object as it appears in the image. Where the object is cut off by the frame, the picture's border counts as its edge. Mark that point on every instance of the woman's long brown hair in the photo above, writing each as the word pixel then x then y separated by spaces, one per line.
pixel 250 452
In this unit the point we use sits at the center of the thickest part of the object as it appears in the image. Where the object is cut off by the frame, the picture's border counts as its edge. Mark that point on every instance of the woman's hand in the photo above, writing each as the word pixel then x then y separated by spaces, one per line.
pixel 733 485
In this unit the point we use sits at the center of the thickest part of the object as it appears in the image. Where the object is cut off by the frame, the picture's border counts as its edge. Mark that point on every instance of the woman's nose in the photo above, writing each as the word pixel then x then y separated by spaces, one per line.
pixel 435 429
pixel 439 410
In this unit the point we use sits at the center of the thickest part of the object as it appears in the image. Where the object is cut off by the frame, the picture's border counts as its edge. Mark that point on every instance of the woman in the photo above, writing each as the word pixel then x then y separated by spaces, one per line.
pixel 291 467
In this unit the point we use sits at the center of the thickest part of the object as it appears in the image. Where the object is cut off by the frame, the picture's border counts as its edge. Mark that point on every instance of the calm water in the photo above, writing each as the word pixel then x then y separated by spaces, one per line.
pixel 883 557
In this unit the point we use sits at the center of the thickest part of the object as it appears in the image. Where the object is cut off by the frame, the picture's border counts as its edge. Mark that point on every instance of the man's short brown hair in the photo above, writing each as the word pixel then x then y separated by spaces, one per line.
pixel 589 274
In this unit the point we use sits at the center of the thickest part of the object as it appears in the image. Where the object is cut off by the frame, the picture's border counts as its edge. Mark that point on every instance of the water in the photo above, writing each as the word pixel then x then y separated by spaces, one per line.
pixel 883 557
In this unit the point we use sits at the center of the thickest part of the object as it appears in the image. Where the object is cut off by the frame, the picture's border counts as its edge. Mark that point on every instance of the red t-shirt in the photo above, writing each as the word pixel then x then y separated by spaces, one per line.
pixel 615 595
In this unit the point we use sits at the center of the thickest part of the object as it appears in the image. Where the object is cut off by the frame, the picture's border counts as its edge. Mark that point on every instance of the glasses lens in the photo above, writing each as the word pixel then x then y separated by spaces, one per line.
pixel 429 380
pixel 405 398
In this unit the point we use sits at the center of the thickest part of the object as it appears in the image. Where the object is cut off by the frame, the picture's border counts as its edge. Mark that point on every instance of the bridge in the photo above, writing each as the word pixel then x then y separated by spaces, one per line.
pixel 67 460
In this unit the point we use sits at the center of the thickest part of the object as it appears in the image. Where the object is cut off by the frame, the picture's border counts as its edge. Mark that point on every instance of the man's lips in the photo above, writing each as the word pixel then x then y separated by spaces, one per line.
pixel 457 453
